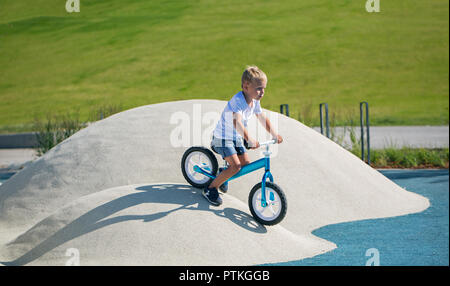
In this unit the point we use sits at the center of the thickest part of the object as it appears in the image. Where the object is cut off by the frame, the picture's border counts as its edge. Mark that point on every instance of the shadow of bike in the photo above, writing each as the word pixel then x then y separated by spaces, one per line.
pixel 187 197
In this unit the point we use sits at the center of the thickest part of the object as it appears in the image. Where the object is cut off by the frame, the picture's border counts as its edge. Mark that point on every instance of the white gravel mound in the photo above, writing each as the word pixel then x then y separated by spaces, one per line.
pixel 99 195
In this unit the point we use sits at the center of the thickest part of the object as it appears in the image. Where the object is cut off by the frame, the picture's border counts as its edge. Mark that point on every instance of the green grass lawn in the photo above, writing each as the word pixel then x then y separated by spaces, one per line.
pixel 137 52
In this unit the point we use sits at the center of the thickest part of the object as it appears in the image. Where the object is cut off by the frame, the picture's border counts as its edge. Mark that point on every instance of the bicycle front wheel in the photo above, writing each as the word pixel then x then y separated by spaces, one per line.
pixel 276 204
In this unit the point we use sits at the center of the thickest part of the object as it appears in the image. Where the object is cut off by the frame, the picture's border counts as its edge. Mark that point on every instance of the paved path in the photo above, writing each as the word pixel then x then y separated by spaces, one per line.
pixel 398 136
pixel 12 160
pixel 15 158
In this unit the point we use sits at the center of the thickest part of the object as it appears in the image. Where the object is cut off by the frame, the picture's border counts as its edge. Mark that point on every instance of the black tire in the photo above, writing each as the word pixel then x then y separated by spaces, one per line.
pixel 212 160
pixel 281 213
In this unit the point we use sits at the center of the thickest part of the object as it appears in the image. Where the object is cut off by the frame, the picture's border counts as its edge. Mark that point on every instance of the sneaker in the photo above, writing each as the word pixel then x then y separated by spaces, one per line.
pixel 224 187
pixel 212 196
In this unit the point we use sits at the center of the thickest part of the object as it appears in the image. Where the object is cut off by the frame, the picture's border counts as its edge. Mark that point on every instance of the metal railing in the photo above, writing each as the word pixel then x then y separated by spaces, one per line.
pixel 327 123
pixel 284 107
pixel 361 104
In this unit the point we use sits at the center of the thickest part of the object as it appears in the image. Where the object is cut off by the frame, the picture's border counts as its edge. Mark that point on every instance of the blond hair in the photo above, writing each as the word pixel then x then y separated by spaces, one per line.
pixel 253 74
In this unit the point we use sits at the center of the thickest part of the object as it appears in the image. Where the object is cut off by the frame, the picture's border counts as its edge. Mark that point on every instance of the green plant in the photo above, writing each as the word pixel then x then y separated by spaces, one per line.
pixel 102 111
pixel 408 157
pixel 379 158
pixel 355 143
pixel 54 130
pixel 306 114
pixel 57 128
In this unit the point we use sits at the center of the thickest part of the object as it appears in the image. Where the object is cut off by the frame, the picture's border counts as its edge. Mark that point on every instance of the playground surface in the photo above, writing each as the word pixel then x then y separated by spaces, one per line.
pixel 420 239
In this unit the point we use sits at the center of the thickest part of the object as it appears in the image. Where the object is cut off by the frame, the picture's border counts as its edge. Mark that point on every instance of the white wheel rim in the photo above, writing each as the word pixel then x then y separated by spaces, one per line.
pixel 273 208
pixel 200 159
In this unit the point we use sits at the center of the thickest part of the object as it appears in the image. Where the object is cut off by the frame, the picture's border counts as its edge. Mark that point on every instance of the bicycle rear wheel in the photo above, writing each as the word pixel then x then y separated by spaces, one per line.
pixel 202 157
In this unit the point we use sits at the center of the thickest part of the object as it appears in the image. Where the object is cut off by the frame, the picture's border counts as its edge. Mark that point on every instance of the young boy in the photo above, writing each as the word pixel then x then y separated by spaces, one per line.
pixel 231 129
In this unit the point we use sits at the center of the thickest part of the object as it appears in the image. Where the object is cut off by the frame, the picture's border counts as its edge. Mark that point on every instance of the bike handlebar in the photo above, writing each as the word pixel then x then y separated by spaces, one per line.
pixel 273 141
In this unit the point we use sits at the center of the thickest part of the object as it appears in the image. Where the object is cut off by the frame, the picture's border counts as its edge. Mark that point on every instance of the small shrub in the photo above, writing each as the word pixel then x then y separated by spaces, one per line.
pixel 408 160
pixel 104 110
pixel 54 130
pixel 394 156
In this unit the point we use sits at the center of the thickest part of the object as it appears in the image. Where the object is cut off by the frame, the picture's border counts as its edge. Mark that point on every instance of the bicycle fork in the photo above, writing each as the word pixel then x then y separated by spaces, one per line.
pixel 267 175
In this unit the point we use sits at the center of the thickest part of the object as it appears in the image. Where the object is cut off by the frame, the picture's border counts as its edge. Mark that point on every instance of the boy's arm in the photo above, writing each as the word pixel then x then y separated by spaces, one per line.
pixel 237 123
pixel 266 123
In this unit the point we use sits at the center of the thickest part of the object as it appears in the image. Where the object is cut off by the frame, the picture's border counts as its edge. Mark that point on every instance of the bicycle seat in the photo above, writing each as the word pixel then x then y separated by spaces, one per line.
pixel 212 148
pixel 245 145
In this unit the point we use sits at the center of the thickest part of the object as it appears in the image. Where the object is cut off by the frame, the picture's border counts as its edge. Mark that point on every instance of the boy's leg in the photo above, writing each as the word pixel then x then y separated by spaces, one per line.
pixel 244 159
pixel 234 165
pixel 224 187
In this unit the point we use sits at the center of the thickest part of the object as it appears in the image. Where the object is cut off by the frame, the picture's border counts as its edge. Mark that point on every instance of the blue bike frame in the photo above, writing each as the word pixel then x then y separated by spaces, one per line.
pixel 256 165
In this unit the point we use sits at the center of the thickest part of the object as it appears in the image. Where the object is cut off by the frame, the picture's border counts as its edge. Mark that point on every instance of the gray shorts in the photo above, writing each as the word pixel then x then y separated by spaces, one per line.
pixel 226 147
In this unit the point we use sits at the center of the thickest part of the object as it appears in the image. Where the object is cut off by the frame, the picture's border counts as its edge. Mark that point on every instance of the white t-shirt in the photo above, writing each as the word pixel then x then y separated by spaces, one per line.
pixel 225 128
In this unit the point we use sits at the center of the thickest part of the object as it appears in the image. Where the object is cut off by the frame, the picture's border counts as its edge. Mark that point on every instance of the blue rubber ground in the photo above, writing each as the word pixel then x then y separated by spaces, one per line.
pixel 5 176
pixel 420 239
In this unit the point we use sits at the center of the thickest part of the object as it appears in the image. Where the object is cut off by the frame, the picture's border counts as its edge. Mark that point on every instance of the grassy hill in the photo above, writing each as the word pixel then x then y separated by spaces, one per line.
pixel 138 52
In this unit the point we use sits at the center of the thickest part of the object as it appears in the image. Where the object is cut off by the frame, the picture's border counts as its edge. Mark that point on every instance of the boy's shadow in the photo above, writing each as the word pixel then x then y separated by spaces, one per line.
pixel 187 197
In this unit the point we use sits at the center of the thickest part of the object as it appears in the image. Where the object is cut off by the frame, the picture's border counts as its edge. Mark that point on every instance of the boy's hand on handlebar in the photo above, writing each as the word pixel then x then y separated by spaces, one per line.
pixel 279 139
pixel 253 144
